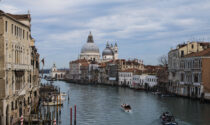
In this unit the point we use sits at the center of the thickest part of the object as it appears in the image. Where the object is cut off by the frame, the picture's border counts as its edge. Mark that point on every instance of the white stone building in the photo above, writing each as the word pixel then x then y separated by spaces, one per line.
pixel 57 74
pixel 141 81
pixel 125 78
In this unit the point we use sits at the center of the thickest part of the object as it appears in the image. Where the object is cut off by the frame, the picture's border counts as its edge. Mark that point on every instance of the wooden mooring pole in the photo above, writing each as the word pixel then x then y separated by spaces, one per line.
pixel 71 116
pixel 75 110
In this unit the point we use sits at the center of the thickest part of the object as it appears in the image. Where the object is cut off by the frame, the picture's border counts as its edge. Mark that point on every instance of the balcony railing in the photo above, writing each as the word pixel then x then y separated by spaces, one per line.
pixel 18 66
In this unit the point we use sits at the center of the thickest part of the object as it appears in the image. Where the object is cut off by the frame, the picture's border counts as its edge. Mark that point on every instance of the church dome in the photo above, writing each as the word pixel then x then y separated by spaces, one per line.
pixel 90 46
pixel 107 51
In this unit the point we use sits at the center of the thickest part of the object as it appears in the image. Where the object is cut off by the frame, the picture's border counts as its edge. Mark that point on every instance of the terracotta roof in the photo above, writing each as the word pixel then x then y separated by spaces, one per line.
pixel 130 70
pixel 84 64
pixel 21 17
pixel 204 43
pixel 17 17
pixel 205 52
pixel 79 61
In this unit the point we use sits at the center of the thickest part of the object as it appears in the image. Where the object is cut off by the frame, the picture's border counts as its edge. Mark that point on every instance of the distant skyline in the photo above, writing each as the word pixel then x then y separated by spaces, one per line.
pixel 143 29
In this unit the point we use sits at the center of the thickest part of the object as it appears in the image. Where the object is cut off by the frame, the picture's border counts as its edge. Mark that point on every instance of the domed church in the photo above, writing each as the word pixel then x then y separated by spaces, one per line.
pixel 110 52
pixel 90 51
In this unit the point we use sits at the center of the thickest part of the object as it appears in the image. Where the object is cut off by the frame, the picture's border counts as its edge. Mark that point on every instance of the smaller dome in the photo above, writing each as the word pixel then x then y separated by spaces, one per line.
pixel 107 51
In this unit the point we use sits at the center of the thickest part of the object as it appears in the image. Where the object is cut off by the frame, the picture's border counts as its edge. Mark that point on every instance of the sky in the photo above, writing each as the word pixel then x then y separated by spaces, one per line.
pixel 143 29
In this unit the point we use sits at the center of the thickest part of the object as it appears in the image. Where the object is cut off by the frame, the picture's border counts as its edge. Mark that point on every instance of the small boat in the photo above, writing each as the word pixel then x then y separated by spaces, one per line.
pixel 53 103
pixel 168 119
pixel 126 107
pixel 63 94
pixel 60 97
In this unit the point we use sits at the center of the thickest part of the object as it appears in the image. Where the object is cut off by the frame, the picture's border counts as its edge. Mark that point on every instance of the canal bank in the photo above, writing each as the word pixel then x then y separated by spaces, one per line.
pixel 162 90
pixel 101 105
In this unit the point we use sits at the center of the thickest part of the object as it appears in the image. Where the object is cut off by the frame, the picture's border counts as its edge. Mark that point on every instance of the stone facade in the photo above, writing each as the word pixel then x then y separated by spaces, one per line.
pixel 125 78
pixel 78 70
pixel 19 68
pixel 130 64
pixel 144 81
pixel 185 67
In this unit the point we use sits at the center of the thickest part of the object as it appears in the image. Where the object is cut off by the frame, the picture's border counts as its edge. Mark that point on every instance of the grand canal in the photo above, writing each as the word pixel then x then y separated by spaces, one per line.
pixel 100 105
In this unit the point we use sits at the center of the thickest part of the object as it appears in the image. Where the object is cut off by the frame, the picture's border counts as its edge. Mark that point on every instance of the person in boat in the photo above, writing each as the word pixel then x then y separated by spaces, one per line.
pixel 127 106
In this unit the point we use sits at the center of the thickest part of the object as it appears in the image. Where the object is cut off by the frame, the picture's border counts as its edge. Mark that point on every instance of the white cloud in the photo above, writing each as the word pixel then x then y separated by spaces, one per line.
pixel 9 8
pixel 62 26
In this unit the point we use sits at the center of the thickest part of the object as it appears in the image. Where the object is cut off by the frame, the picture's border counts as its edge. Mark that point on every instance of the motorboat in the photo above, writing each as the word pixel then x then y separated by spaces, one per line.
pixel 168 119
pixel 126 107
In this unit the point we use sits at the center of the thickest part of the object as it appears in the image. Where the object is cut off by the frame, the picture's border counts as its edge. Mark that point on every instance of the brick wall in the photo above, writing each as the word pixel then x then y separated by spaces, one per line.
pixel 206 74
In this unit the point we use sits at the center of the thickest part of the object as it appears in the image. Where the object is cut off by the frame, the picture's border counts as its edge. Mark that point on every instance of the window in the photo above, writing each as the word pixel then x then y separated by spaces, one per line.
pixel 15 30
pixel 192 46
pixel 196 77
pixel 12 28
pixel 182 77
pixel 28 100
pixel 16 104
pixel 182 53
pixel 12 107
pixel 23 34
pixel 6 26
pixel 27 35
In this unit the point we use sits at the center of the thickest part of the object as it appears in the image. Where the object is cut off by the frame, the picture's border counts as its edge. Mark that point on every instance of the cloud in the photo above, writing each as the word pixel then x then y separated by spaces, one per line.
pixel 61 27
pixel 9 8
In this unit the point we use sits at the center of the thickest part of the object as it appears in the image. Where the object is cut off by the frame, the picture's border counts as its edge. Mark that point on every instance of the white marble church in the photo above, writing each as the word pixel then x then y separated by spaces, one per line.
pixel 57 74
pixel 90 51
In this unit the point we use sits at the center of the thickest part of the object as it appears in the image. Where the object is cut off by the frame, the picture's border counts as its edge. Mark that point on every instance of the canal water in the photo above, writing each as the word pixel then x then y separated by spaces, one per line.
pixel 100 105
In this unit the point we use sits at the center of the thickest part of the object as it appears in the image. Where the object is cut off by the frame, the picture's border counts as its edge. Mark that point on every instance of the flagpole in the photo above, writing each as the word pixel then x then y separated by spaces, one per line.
pixel 42 66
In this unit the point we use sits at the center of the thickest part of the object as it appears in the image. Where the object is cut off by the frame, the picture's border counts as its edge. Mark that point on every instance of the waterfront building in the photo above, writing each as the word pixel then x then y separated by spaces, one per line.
pixel 102 73
pixel 137 82
pixel 78 70
pixel 57 74
pixel 144 81
pixel 194 77
pixel 112 73
pixel 130 64
pixel 93 72
pixel 19 68
pixel 125 78
pixel 176 67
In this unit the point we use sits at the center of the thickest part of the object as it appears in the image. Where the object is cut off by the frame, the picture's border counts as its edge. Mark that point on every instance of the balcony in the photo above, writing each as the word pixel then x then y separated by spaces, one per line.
pixel 18 66
pixel 181 83
pixel 197 84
